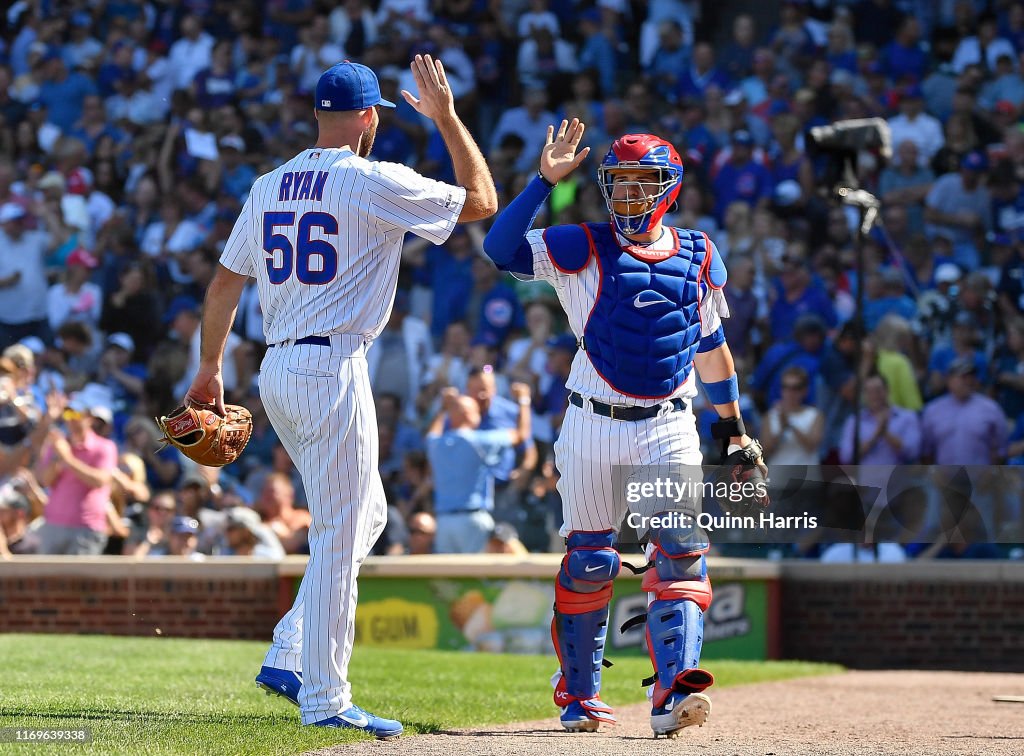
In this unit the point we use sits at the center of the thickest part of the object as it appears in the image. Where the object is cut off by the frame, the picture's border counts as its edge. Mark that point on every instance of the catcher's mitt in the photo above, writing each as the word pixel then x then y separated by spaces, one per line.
pixel 744 471
pixel 204 436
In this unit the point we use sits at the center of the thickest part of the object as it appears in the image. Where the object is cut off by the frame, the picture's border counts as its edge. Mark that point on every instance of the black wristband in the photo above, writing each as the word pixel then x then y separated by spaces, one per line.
pixel 728 427
pixel 547 183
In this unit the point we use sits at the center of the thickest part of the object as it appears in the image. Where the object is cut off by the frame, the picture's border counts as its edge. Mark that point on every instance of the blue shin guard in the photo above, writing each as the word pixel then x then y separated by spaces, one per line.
pixel 579 628
pixel 675 618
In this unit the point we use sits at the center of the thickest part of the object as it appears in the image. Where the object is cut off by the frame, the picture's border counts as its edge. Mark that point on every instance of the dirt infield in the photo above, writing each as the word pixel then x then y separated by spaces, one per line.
pixel 876 713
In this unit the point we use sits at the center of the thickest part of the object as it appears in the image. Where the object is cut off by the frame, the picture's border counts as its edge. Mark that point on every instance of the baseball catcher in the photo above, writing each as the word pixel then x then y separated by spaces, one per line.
pixel 645 303
pixel 206 437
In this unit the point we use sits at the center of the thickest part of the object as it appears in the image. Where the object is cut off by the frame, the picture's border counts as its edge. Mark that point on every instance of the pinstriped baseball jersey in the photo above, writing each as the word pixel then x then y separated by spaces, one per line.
pixel 322 234
pixel 577 293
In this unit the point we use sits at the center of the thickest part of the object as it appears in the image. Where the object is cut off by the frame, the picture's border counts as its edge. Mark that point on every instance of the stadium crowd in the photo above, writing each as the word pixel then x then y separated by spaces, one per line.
pixel 131 131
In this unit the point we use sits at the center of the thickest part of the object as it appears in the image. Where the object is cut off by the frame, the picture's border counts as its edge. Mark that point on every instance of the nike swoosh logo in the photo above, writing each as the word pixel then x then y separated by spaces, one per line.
pixel 359 721
pixel 639 304
pixel 595 569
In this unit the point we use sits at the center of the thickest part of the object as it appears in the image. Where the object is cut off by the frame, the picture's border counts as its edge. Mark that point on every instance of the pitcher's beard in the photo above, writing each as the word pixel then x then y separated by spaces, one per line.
pixel 366 142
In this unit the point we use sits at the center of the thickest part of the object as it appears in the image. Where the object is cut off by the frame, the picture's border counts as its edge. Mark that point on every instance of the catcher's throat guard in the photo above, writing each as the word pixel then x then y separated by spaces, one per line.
pixel 204 436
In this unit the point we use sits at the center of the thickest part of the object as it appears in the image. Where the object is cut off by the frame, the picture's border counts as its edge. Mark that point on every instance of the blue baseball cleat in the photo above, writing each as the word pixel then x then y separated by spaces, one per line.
pixel 576 719
pixel 354 718
pixel 280 682
pixel 680 710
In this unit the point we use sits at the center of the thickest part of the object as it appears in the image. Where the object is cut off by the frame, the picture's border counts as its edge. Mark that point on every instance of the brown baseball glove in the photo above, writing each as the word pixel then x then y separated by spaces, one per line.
pixel 204 436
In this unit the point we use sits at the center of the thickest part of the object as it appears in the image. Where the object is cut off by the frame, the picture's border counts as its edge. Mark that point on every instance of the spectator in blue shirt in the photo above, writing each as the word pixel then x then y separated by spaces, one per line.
pixel 1009 370
pixel 669 59
pixel 555 401
pixel 215 86
pixel 701 73
pixel 904 59
pixel 597 52
pixel 737 57
pixel 464 460
pixel 841 52
pixel 962 346
pixel 741 178
pixel 236 175
pixel 797 293
pixel 494 307
pixel 886 294
pixel 528 121
pixel 805 350
pixel 396 139
pixel 93 125
pixel 499 413
pixel 448 272
pixel 116 68
pixel 64 93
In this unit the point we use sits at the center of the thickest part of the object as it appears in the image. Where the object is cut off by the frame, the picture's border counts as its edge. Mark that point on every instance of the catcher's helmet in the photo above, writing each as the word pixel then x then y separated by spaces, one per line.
pixel 642 152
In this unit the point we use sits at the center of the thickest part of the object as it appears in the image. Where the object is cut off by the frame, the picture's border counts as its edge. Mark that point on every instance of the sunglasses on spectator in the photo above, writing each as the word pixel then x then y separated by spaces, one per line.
pixel 794 386
pixel 70 414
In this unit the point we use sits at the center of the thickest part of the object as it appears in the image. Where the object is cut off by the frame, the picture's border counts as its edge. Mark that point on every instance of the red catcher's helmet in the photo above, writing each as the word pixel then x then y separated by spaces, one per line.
pixel 642 152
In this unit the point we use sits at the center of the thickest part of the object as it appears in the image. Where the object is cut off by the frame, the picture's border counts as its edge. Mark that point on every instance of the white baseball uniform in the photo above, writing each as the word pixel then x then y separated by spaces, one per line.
pixel 322 235
pixel 589 445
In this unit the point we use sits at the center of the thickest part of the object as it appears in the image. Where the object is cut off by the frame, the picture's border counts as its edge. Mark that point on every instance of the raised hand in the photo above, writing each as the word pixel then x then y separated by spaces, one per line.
pixel 559 158
pixel 55 404
pixel 435 100
pixel 519 391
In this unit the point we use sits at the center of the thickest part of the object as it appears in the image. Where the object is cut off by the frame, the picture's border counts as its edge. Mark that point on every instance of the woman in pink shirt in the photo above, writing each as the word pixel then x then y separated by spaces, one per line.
pixel 77 470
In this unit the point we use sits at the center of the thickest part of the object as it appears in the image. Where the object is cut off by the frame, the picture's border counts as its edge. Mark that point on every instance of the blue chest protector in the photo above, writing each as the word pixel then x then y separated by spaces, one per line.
pixel 644 329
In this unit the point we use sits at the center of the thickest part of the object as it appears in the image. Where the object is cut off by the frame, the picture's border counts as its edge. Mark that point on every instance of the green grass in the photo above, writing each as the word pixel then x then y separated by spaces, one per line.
pixel 170 696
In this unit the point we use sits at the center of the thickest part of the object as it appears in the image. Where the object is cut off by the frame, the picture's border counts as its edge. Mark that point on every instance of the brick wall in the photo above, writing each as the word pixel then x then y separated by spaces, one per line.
pixel 965 616
pixel 937 615
pixel 131 598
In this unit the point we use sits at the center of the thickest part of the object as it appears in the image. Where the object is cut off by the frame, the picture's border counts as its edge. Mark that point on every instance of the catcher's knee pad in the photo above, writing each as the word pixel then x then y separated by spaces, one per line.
pixel 583 591
pixel 675 617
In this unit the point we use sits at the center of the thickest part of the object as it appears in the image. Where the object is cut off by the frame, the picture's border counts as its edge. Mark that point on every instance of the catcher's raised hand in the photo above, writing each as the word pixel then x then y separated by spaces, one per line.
pixel 559 157
pixel 436 99
pixel 207 389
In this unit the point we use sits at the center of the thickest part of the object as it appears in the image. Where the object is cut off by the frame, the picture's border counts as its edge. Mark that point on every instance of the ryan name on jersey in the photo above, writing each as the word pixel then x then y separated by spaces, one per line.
pixel 302 185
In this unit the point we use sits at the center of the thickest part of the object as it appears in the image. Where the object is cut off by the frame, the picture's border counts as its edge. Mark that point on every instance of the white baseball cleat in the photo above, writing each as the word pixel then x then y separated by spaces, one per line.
pixel 679 712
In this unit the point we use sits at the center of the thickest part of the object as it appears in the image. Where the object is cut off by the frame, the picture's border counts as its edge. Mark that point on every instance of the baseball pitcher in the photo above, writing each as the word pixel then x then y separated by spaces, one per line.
pixel 322 235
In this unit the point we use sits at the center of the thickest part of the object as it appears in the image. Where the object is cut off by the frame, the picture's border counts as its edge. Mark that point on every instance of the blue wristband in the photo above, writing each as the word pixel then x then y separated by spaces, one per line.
pixel 723 392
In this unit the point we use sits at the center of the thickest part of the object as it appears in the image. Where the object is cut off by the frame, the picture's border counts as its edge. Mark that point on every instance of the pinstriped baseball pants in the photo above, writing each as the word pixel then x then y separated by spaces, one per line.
pixel 590 448
pixel 318 399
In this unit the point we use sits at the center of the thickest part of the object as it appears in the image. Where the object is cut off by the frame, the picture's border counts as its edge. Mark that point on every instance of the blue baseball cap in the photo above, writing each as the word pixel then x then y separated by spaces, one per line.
pixel 742 137
pixel 185 525
pixel 975 161
pixel 913 92
pixel 348 86
pixel 179 305
pixel 566 342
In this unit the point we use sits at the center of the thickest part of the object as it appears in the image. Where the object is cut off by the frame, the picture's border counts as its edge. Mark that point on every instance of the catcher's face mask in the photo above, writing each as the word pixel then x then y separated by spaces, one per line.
pixel 639 178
